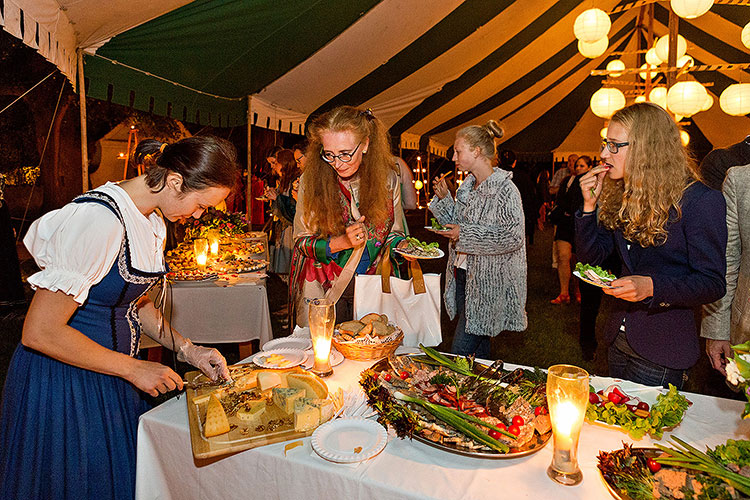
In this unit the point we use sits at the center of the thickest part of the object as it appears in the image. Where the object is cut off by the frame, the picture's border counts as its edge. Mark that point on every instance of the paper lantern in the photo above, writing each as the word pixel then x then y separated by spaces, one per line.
pixel 745 36
pixel 658 95
pixel 685 61
pixel 677 118
pixel 615 65
pixel 640 98
pixel 684 137
pixel 735 100
pixel 418 185
pixel 591 25
pixel 662 47
pixel 607 101
pixel 643 74
pixel 603 132
pixel 592 50
pixel 690 9
pixel 709 102
pixel 686 98
pixel 652 58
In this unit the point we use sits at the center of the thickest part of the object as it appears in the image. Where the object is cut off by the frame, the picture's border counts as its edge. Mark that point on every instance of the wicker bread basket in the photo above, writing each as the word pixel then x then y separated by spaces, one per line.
pixel 367 352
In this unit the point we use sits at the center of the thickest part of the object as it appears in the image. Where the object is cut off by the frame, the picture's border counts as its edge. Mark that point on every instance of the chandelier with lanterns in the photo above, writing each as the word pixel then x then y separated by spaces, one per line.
pixel 682 98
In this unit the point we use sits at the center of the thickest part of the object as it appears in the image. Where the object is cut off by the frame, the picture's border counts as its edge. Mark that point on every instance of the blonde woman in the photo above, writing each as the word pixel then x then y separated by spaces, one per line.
pixel 486 272
pixel 669 232
pixel 349 201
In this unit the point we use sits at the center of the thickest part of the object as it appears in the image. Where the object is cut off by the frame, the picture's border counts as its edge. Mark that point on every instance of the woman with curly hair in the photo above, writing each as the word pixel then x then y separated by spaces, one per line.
pixel 348 208
pixel 669 232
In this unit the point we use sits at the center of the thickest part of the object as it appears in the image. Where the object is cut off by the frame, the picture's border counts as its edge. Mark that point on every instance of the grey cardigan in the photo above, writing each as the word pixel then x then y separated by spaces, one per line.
pixel 491 233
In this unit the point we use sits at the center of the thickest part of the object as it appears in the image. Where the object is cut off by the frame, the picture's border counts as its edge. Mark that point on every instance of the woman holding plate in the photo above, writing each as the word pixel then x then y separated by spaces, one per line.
pixel 662 222
pixel 348 209
pixel 486 273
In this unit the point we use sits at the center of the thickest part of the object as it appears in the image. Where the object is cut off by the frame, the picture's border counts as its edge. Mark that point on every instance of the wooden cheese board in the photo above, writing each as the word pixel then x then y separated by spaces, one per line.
pixel 274 425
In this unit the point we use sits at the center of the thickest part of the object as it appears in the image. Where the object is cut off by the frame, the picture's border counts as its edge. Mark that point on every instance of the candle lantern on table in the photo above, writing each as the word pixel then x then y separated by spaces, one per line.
pixel 321 318
pixel 200 249
pixel 567 397
pixel 213 242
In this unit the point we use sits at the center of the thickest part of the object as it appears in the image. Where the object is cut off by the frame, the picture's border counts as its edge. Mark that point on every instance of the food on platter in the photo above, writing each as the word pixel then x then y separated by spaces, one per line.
pixel 459 405
pixel 279 358
pixel 738 372
pixel 191 275
pixel 216 418
pixel 614 407
pixel 240 266
pixel 372 328
pixel 594 275
pixel 677 472
pixel 312 386
pixel 421 249
pixel 436 226
pixel 235 257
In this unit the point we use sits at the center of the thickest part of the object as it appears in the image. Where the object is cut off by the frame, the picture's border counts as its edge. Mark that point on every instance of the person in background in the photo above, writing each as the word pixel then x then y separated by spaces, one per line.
pixel 349 203
pixel 75 385
pixel 716 163
pixel 299 150
pixel 283 208
pixel 486 272
pixel 554 186
pixel 727 321
pixel 568 201
pixel 506 159
pixel 543 197
pixel 271 157
pixel 661 221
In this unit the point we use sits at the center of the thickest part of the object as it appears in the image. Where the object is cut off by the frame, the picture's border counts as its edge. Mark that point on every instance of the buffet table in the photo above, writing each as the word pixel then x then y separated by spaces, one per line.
pixel 405 469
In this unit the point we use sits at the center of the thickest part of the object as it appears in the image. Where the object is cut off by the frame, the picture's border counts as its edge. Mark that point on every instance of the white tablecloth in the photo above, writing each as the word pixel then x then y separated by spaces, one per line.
pixel 404 470
pixel 233 310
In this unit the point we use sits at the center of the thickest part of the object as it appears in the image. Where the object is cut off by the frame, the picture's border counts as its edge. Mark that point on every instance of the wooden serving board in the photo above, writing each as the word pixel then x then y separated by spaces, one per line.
pixel 241 436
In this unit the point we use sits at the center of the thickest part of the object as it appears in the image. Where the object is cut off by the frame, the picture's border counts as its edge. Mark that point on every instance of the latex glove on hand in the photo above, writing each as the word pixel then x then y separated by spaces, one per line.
pixel 208 360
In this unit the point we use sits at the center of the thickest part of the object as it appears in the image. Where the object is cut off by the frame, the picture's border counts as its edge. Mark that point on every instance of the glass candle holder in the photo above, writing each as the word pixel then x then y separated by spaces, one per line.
pixel 213 242
pixel 200 249
pixel 321 318
pixel 567 397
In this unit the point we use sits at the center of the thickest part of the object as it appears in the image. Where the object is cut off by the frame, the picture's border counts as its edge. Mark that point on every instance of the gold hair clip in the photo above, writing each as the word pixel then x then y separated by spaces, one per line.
pixel 162 147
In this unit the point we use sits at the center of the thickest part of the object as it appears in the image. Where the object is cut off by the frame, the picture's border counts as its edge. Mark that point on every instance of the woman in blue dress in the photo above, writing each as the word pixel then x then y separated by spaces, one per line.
pixel 74 388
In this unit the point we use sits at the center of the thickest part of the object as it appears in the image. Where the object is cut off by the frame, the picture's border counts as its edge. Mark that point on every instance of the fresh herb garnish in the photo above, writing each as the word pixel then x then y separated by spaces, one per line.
pixel 602 273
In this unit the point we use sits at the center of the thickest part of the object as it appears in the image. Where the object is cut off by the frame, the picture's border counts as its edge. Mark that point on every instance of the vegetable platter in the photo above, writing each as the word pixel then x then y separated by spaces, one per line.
pixel 460 406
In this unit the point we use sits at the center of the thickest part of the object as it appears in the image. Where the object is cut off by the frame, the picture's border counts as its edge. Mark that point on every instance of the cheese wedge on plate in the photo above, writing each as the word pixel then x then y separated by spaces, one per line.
pixel 314 387
pixel 216 418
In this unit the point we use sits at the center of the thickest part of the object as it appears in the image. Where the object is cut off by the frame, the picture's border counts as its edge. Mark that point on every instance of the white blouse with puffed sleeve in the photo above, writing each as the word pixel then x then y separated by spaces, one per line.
pixel 76 245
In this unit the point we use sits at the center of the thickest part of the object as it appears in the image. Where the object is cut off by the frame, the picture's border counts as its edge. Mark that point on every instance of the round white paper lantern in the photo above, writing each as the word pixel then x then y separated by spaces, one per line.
pixel 690 9
pixel 603 132
pixel 686 98
pixel 685 61
pixel 662 47
pixel 677 118
pixel 640 98
pixel 745 36
pixel 735 100
pixel 685 138
pixel 709 102
pixel 607 101
pixel 658 95
pixel 615 65
pixel 593 50
pixel 643 74
pixel 652 58
pixel 591 25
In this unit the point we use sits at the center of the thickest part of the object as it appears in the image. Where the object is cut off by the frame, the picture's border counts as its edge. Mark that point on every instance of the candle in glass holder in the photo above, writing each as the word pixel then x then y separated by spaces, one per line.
pixel 321 318
pixel 567 397
pixel 200 249
pixel 213 242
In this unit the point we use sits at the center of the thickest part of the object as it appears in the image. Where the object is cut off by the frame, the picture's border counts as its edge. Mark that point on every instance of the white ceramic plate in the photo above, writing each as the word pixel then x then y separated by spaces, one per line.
pixel 336 358
pixel 438 231
pixel 302 344
pixel 293 356
pixel 349 440
pixel 439 255
pixel 590 282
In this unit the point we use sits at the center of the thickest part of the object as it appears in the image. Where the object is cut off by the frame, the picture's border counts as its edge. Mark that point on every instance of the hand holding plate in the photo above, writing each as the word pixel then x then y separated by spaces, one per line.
pixel 631 288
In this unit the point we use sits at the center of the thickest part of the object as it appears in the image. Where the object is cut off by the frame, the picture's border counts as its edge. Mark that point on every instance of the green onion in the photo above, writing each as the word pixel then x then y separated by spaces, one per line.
pixel 448 363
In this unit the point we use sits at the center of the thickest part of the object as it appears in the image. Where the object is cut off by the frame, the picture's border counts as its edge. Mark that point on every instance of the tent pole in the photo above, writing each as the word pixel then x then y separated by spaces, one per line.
pixel 249 195
pixel 84 140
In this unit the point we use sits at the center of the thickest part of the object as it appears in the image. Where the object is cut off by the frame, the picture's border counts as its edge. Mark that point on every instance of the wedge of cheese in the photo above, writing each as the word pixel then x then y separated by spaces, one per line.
pixel 269 379
pixel 314 387
pixel 284 398
pixel 326 409
pixel 306 415
pixel 253 416
pixel 216 418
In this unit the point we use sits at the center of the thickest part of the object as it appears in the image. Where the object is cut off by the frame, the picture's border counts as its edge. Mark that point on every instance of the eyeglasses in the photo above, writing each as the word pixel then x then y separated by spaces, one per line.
pixel 344 157
pixel 299 160
pixel 612 146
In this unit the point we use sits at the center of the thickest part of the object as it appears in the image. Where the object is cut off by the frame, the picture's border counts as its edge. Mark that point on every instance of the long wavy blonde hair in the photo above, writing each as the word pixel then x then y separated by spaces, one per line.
pixel 658 169
pixel 320 181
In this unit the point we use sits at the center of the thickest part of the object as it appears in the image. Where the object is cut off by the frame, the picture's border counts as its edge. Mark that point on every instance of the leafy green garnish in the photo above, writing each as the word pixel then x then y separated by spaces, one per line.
pixel 733 452
pixel 602 273
pixel 436 225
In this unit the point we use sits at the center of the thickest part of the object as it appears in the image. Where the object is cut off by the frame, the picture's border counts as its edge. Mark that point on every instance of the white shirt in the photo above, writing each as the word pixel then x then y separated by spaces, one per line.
pixel 76 245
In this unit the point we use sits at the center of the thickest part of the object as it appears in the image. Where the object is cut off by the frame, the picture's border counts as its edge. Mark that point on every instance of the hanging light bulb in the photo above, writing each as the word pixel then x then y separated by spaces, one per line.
pixel 690 9
pixel 418 185
pixel 735 100
pixel 607 101
pixel 615 65
pixel 685 61
pixel 594 49
pixel 709 102
pixel 591 25
pixel 643 74
pixel 686 98
pixel 658 95
pixel 684 137
pixel 640 98
pixel 662 47
pixel 652 58
pixel 745 36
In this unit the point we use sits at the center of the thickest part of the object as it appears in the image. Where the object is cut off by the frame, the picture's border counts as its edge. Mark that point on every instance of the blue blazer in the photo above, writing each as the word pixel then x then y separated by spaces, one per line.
pixel 688 270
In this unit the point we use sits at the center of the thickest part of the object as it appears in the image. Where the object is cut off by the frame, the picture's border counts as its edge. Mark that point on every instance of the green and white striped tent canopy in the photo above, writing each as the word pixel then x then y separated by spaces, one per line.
pixel 425 67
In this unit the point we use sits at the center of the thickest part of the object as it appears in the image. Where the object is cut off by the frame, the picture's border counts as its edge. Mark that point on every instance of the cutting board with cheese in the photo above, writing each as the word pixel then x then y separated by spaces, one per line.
pixel 262 406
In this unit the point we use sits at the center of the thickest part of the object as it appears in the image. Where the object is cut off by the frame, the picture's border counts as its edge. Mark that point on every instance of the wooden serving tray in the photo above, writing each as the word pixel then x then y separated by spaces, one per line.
pixel 240 437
